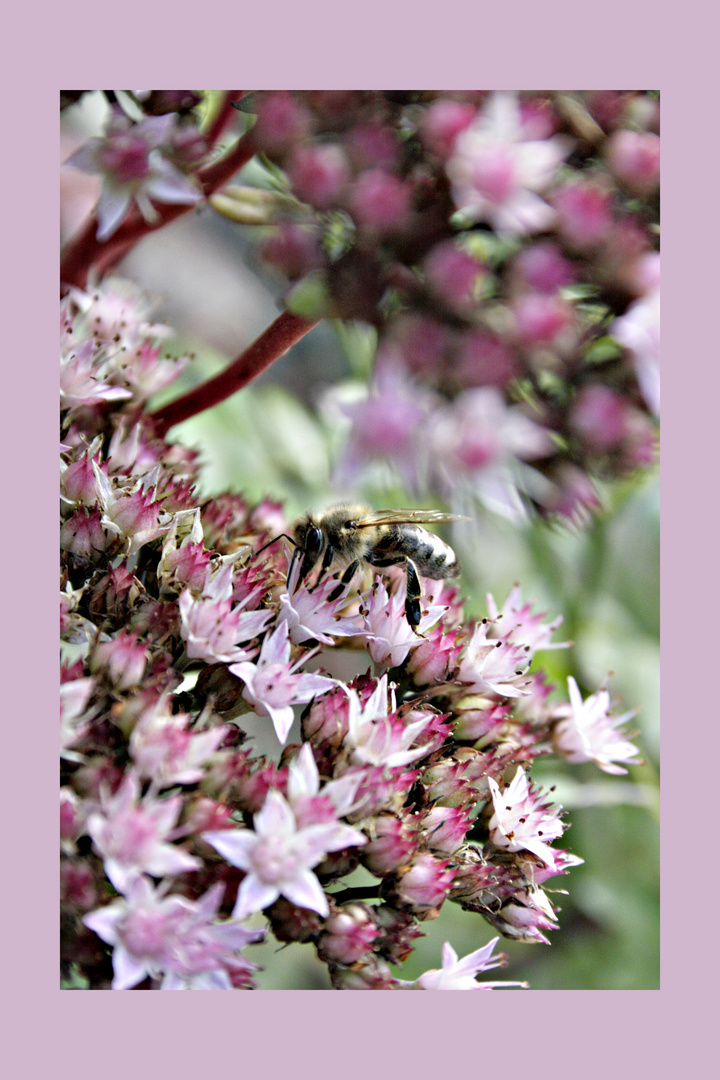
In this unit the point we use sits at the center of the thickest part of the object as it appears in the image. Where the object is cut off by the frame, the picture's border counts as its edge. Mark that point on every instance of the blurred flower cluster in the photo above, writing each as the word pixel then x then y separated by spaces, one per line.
pixel 503 249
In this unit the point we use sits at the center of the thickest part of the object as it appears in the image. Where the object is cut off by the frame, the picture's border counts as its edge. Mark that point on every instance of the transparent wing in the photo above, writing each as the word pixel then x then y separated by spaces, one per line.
pixel 406 517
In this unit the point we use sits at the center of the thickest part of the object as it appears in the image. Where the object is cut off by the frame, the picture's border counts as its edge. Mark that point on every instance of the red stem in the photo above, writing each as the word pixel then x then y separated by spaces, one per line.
pixel 224 115
pixel 86 251
pixel 273 343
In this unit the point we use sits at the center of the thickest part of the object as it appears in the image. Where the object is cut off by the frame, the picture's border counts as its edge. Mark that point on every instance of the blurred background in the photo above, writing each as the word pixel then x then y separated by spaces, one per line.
pixel 277 439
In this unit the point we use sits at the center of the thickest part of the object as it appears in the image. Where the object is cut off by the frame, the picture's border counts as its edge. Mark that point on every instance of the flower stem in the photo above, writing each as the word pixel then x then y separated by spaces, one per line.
pixel 273 343
pixel 86 252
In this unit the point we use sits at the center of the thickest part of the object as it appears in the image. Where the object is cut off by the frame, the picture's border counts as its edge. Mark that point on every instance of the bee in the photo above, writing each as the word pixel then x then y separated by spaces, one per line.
pixel 351 534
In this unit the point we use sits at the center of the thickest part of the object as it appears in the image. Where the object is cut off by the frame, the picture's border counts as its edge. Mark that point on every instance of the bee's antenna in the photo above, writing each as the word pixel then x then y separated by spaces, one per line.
pixel 274 539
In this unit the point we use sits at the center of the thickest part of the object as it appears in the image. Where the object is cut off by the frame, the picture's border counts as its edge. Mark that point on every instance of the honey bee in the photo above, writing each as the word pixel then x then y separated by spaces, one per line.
pixel 351 534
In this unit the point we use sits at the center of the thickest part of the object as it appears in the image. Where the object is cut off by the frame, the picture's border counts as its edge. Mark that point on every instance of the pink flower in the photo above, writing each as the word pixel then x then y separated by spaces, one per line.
pixel 389 637
pixel 273 685
pixel 309 614
pixel 83 378
pixel 520 821
pixel 115 312
pixel 458 974
pixel 587 732
pixel 639 331
pixel 74 719
pixel 131 508
pixel 164 749
pixel 212 627
pixel 386 422
pixel 492 666
pixel 335 798
pixel 515 623
pixel 375 738
pixel 130 835
pixel 525 915
pixel 278 856
pixel 133 167
pixel 477 441
pixel 496 173
pixel 173 938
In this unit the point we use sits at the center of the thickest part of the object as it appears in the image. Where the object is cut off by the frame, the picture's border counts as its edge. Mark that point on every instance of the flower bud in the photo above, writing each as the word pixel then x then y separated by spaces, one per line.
pixel 423 886
pixel 634 159
pixel 394 841
pixel 347 934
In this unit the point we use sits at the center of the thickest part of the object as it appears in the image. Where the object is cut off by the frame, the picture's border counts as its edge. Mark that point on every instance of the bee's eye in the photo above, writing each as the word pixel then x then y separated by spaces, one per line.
pixel 313 542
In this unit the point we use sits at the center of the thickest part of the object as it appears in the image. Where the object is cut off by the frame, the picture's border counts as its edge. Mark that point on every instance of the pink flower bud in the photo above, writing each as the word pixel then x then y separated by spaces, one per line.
pixel 394 841
pixel 372 146
pixel 319 174
pixel 380 202
pixel 443 122
pixel 77 885
pixel 483 359
pixel 453 275
pixel 78 480
pixel 543 268
pixel 375 975
pixel 444 828
pixel 473 724
pixel 424 885
pixel 347 935
pixel 584 213
pixel 83 535
pixel 281 121
pixel 540 319
pixel 599 417
pixel 634 158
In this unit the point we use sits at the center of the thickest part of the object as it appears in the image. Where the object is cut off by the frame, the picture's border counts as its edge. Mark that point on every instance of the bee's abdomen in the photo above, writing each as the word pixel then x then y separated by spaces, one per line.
pixel 432 556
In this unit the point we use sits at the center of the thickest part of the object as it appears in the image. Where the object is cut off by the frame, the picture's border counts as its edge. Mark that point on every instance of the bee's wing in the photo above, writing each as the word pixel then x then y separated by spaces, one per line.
pixel 405 517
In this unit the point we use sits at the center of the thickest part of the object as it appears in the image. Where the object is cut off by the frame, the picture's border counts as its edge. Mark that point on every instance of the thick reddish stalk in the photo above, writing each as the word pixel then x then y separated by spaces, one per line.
pixel 273 343
pixel 86 251
pixel 224 115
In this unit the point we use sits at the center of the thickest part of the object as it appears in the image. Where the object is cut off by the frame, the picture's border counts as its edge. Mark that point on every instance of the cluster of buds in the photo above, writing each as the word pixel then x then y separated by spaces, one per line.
pixel 504 247
pixel 183 631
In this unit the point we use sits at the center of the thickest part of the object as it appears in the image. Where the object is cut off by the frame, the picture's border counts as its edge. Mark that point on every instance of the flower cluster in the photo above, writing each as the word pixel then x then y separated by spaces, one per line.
pixel 504 247
pixel 182 631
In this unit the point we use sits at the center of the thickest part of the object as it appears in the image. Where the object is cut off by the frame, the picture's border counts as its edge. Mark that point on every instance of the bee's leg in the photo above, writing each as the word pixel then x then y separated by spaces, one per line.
pixel 327 559
pixel 412 595
pixel 347 577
